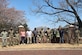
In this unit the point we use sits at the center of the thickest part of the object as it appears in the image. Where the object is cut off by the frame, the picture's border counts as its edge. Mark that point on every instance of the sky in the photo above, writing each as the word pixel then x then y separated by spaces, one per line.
pixel 32 20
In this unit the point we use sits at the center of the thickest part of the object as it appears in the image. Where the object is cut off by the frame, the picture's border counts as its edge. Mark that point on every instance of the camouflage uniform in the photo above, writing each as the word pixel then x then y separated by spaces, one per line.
pixel 42 35
pixel 71 35
pixel 45 37
pixel 39 37
pixel 17 38
pixel 49 34
pixel 77 35
pixel 53 36
pixel 4 38
pixel 57 36
pixel 11 39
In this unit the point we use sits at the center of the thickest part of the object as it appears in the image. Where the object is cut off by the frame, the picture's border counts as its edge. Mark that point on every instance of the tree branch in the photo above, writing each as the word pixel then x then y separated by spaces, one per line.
pixel 71 6
pixel 57 8
pixel 69 22
pixel 50 13
pixel 75 13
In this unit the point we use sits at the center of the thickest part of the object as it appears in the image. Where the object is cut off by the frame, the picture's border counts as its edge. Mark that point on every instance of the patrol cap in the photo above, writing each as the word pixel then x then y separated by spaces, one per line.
pixel 71 26
pixel 20 26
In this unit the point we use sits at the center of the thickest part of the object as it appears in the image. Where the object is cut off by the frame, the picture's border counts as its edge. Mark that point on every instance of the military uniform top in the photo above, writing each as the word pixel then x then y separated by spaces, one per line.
pixel 57 33
pixel 49 32
pixel 11 33
pixel 42 33
pixel 4 34
pixel 17 36
pixel 77 32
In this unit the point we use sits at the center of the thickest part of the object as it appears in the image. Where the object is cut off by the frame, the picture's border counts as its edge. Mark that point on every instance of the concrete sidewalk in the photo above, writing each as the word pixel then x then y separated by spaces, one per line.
pixel 42 46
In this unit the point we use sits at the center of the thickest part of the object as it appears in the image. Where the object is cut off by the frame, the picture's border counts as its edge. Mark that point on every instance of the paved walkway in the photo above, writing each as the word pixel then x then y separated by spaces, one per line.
pixel 42 52
pixel 42 46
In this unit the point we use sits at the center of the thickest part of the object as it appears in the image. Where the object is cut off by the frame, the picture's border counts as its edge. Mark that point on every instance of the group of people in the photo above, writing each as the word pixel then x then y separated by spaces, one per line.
pixel 5 34
pixel 23 36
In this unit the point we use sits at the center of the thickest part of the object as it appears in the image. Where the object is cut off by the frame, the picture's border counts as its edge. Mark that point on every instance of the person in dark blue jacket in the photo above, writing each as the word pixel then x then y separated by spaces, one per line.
pixel 61 32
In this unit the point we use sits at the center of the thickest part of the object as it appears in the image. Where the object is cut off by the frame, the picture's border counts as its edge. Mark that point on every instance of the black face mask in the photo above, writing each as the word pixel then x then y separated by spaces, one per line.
pixel 4 30
pixel 11 29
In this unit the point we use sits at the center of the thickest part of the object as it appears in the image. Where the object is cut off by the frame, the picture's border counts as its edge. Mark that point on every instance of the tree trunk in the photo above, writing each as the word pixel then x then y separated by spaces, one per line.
pixel 79 21
pixel 79 24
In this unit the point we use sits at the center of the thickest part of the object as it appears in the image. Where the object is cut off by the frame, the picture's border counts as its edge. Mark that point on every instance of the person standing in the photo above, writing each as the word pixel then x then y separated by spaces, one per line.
pixel 4 35
pixel 42 35
pixel 53 36
pixel 39 36
pixel 11 35
pixel 35 33
pixel 29 36
pixel 71 34
pixel 49 34
pixel 57 36
pixel 45 37
pixel 77 35
pixel 23 36
pixel 61 32
pixel 17 38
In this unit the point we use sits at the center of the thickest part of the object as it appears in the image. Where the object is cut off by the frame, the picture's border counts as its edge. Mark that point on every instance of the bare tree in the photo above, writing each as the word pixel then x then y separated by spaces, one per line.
pixel 67 11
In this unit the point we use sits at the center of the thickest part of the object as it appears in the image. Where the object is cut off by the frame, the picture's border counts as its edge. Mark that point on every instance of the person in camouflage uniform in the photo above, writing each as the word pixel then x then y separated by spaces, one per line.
pixel 49 34
pixel 11 35
pixel 17 38
pixel 4 35
pixel 45 37
pixel 42 35
pixel 57 36
pixel 53 35
pixel 39 37
pixel 71 34
pixel 77 35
